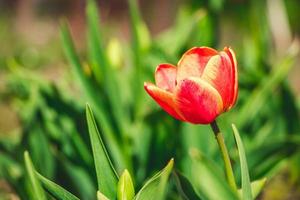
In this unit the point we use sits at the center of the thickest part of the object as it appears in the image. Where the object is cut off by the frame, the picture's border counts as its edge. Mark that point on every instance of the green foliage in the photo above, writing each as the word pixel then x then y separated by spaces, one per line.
pixel 107 177
pixel 133 132
pixel 55 190
pixel 156 186
pixel 205 169
pixel 246 184
pixel 125 187
pixel 36 190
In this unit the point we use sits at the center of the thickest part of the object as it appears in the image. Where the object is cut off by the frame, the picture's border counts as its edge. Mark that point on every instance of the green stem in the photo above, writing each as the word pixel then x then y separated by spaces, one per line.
pixel 225 155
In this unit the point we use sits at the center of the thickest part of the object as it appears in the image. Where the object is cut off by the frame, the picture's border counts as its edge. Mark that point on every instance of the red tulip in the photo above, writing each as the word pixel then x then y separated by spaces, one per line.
pixel 202 86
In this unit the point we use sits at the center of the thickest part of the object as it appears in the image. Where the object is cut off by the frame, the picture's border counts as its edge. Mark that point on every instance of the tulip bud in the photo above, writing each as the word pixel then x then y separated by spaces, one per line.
pixel 202 86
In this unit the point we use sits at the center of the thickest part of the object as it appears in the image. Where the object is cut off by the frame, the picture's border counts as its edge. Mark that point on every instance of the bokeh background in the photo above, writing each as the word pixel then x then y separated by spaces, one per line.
pixel 42 96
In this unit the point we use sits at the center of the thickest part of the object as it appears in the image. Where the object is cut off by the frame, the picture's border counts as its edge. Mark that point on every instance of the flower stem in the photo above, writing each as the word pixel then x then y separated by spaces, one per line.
pixel 225 155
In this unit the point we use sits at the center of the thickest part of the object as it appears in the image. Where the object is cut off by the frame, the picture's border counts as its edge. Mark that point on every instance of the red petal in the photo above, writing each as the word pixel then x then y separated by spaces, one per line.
pixel 219 73
pixel 231 55
pixel 193 62
pixel 197 101
pixel 163 98
pixel 165 76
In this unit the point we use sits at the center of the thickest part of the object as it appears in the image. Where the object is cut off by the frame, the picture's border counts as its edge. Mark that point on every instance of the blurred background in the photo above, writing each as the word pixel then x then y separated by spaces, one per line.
pixel 42 94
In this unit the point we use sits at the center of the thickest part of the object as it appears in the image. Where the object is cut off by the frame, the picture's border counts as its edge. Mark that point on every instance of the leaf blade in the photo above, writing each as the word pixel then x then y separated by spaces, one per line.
pixel 125 187
pixel 107 177
pixel 215 181
pixel 55 190
pixel 246 185
pixel 37 190
pixel 154 188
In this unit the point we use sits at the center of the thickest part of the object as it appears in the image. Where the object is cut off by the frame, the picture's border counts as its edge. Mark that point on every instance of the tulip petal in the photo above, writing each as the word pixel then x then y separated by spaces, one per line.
pixel 164 99
pixel 197 101
pixel 219 73
pixel 165 76
pixel 193 62
pixel 231 55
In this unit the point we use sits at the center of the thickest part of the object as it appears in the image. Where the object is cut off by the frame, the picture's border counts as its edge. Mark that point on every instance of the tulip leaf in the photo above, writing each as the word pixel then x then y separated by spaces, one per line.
pixel 55 190
pixel 125 187
pixel 246 186
pixel 265 158
pixel 175 38
pixel 186 189
pixel 85 187
pixel 101 65
pixel 207 179
pixel 107 177
pixel 257 186
pixel 91 92
pixel 101 196
pixel 37 190
pixel 96 52
pixel 154 189
pixel 258 97
pixel 140 40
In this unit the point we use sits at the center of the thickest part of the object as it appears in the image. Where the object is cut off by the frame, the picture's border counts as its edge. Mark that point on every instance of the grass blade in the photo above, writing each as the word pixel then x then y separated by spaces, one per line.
pixel 37 190
pixel 55 190
pixel 246 185
pixel 106 175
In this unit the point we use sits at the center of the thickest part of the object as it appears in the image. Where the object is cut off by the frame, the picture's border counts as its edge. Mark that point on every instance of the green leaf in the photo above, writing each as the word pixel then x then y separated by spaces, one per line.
pixel 96 101
pixel 106 175
pixel 125 187
pixel 186 189
pixel 246 186
pixel 154 189
pixel 174 39
pixel 97 55
pixel 101 196
pixel 257 186
pixel 207 179
pixel 264 159
pixel 85 188
pixel 140 40
pixel 260 95
pixel 40 151
pixel 55 190
pixel 102 67
pixel 37 190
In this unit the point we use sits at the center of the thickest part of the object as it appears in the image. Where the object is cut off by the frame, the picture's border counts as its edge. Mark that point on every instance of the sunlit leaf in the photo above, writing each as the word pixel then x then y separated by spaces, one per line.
pixel 257 186
pixel 125 187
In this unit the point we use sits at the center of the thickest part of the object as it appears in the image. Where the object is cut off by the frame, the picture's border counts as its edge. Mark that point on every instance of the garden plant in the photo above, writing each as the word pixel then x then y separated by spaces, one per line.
pixel 209 122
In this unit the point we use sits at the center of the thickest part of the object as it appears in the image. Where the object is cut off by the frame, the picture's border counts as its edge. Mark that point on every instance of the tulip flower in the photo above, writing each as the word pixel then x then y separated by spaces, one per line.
pixel 202 86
